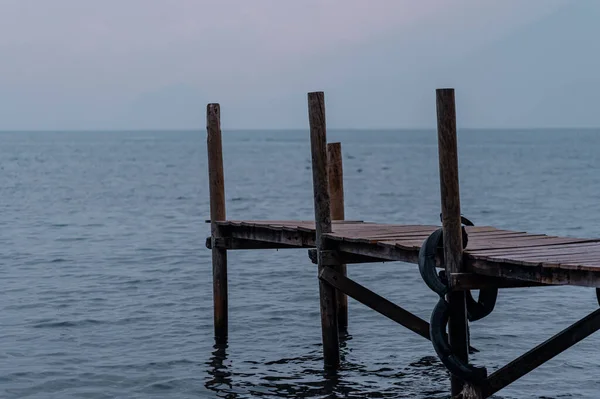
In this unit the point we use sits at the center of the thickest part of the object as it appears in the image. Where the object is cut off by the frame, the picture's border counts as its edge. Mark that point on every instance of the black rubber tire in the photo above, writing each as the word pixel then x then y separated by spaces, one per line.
pixel 427 266
pixel 439 339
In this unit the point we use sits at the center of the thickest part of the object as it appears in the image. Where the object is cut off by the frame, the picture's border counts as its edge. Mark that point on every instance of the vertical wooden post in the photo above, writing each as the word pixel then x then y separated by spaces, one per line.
pixel 217 213
pixel 451 223
pixel 318 146
pixel 335 174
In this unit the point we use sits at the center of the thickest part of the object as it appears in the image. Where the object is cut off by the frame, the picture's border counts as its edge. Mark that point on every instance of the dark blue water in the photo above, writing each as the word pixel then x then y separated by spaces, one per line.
pixel 106 284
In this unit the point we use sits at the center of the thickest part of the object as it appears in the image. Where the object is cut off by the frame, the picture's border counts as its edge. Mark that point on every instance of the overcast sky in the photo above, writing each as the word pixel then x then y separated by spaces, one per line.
pixel 114 64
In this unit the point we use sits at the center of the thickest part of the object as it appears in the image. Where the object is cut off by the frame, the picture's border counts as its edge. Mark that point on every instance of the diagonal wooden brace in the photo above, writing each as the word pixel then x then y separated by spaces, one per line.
pixel 377 303
pixel 542 353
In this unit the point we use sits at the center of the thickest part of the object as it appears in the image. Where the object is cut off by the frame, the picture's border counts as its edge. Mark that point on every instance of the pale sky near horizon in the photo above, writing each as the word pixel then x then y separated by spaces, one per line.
pixel 154 64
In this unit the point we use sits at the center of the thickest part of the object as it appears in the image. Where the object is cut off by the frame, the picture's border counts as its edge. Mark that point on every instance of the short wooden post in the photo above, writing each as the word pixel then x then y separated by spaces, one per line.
pixel 335 175
pixel 318 142
pixel 217 213
pixel 451 223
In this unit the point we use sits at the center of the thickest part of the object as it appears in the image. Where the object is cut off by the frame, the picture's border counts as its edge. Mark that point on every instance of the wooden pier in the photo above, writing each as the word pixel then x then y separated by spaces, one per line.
pixel 467 257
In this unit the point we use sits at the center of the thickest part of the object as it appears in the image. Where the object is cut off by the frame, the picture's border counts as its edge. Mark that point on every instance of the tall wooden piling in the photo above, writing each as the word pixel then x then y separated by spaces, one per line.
pixel 217 213
pixel 335 175
pixel 451 223
pixel 318 141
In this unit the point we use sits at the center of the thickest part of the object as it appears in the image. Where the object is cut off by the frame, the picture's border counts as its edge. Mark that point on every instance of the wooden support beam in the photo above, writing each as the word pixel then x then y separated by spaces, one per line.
pixel 240 243
pixel 327 294
pixel 217 213
pixel 335 177
pixel 385 253
pixel 542 353
pixel 544 275
pixel 293 238
pixel 471 281
pixel 334 258
pixel 451 223
pixel 375 302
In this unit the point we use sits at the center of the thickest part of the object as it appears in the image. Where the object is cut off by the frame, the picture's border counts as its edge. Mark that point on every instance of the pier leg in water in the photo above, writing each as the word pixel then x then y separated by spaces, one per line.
pixel 327 294
pixel 335 176
pixel 217 213
pixel 451 223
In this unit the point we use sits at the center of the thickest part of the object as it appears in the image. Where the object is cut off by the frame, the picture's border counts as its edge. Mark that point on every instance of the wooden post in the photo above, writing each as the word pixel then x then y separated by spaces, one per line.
pixel 217 213
pixel 318 144
pixel 335 174
pixel 451 223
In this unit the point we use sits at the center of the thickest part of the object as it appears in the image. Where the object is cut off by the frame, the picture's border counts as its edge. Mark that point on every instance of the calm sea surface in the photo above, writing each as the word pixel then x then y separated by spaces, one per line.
pixel 106 284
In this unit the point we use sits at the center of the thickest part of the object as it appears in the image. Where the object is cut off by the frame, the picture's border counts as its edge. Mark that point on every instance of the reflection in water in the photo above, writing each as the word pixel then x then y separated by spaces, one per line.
pixel 221 376
pixel 303 377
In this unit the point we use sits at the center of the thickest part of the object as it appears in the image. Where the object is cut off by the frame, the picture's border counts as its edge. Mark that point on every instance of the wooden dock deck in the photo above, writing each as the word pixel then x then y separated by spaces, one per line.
pixel 453 258
pixel 491 252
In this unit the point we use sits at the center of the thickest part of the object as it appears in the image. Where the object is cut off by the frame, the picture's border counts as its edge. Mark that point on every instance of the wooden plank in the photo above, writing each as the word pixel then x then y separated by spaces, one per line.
pixel 216 183
pixel 520 241
pixel 405 237
pixel 390 253
pixel 484 229
pixel 505 244
pixel 378 226
pixel 547 275
pixel 335 258
pixel 573 264
pixel 267 222
pixel 407 245
pixel 551 251
pixel 361 231
pixel 242 244
pixel 327 294
pixel 475 230
pixel 542 249
pixel 471 281
pixel 397 234
pixel 568 258
pixel 535 259
pixel 503 235
pixel 577 265
pixel 256 233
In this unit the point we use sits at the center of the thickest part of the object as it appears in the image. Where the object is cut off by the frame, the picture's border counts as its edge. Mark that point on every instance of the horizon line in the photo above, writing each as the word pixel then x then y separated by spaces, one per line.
pixel 289 129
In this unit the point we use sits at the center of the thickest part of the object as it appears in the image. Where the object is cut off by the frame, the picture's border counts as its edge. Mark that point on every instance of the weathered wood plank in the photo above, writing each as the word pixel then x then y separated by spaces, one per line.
pixel 300 239
pixel 505 244
pixel 322 203
pixel 590 258
pixel 570 264
pixel 231 243
pixel 335 258
pixel 564 248
pixel 390 253
pixel 217 213
pixel 537 273
pixel 471 281
pixel 499 235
